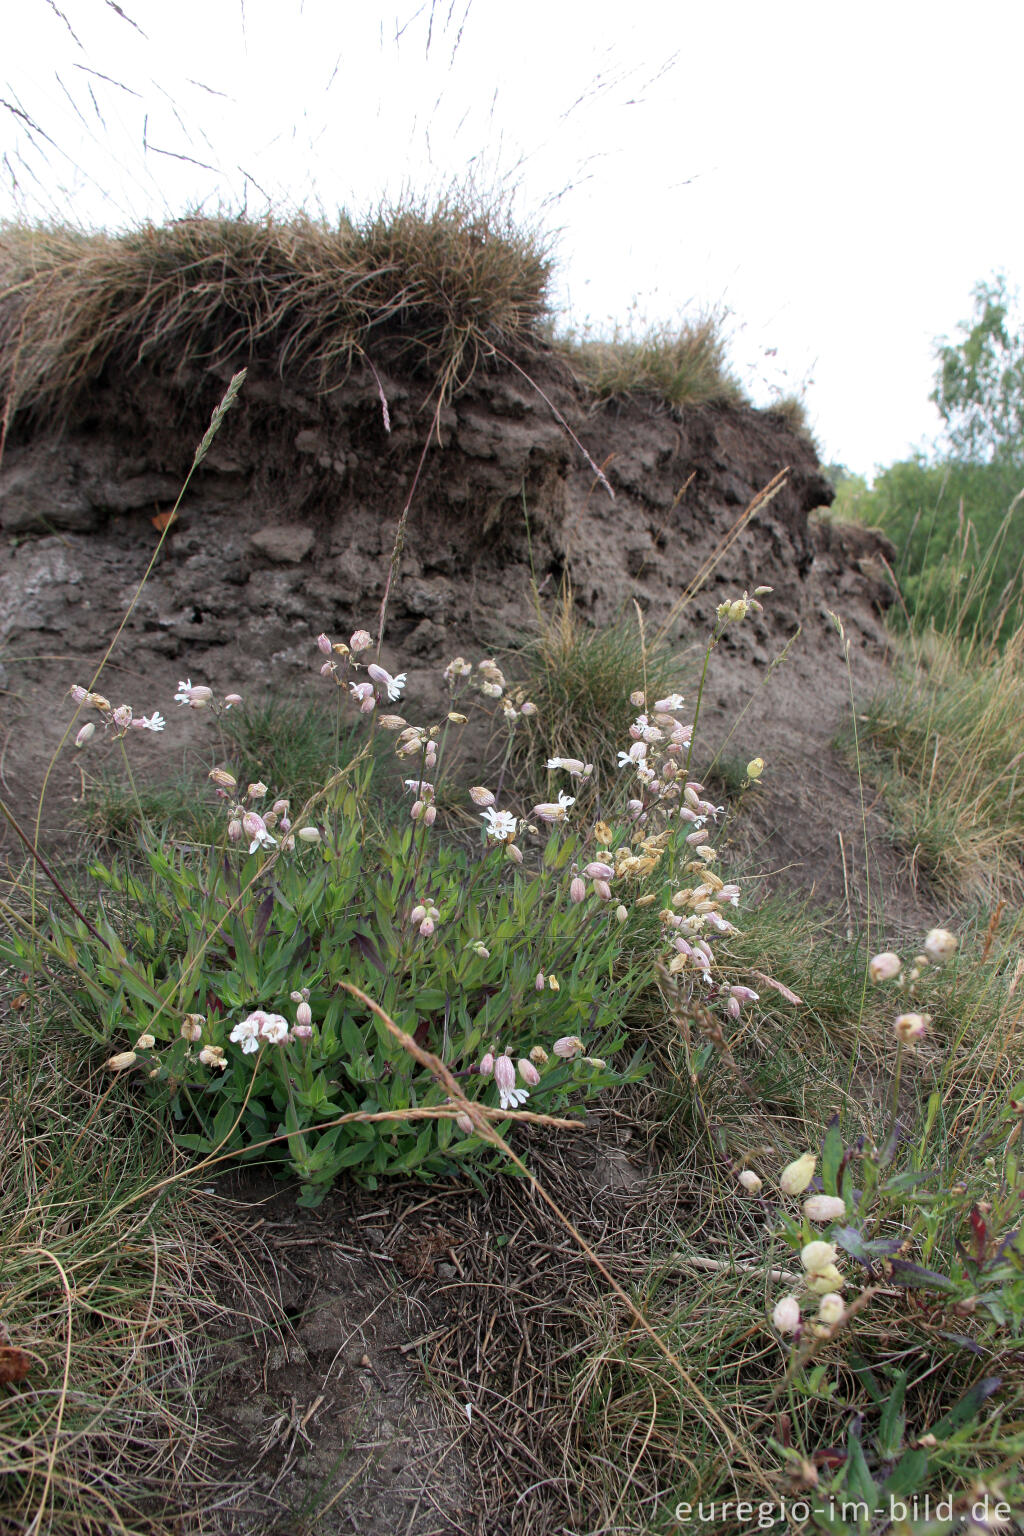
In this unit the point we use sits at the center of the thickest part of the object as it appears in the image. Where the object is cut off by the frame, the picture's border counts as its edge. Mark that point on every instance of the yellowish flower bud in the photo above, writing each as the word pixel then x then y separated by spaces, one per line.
pixel 122 1061
pixel 831 1309
pixel 829 1279
pixel 796 1176
pixel 145 1042
pixel 816 1257
pixel 755 768
pixel 750 1181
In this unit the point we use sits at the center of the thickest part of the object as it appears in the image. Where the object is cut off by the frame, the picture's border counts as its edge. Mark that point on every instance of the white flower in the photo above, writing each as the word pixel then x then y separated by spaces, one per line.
pixel 196 696
pixel 513 1098
pixel 392 685
pixel 500 824
pixel 554 810
pixel 247 1034
pixel 153 722
pixel 274 1028
pixel 255 827
pixel 669 703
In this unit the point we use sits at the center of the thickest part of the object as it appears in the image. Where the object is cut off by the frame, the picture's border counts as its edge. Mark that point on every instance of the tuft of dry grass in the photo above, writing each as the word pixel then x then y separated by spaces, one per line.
pixel 436 286
pixel 944 742
pixel 677 364
pixel 109 1296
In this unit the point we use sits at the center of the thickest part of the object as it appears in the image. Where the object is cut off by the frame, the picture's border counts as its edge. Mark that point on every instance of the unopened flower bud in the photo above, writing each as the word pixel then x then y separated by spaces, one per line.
pixel 637 698
pixel 430 815
pixel 360 640
pixel 528 1072
pixel 568 1047
pixel 940 945
pixel 481 796
pixel 87 732
pixel 145 1042
pixel 513 853
pixel 831 1309
pixel 308 834
pixel 464 1123
pixel 817 1257
pixel 539 1056
pixel 122 1061
pixel 528 709
pixel 824 1208
pixel 797 1175
pixel 235 830
pixel 224 779
pixel 603 889
pixel 786 1315
pixel 486 1066
pixel 621 914
pixel 553 984
pixel 750 1181
pixel 755 768
pixel 885 967
pixel 540 981
pixel 577 889
pixel 232 699
pixel 599 870
pixel 302 1032
pixel 597 1062
pixel 192 1027
pixel 455 718
pixel 390 722
pixel 323 645
pixel 910 1027
pixel 303 1014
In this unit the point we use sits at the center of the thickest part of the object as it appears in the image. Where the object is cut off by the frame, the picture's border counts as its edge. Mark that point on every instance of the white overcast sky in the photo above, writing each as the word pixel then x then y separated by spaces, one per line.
pixel 835 176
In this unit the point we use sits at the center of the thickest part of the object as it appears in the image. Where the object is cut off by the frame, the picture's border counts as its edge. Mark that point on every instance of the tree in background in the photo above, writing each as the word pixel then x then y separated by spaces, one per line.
pixel 979 387
pixel 953 514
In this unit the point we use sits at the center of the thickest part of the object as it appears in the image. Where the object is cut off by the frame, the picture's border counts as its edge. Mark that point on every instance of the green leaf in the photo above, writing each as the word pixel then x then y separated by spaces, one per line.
pixel 893 1422
pixel 832 1157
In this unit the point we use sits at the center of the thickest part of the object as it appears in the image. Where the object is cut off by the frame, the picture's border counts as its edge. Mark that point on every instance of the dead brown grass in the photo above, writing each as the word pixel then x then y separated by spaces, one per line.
pixel 438 287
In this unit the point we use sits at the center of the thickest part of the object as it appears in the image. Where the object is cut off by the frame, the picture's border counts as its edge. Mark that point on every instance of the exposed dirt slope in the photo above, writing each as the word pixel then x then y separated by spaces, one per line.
pixel 289 527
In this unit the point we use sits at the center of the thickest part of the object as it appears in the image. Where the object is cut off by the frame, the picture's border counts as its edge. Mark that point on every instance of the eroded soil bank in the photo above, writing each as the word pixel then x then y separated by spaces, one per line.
pixel 289 526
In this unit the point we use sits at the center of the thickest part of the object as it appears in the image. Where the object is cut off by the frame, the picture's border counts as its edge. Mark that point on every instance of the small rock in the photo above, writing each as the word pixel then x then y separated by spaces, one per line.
pixel 287 543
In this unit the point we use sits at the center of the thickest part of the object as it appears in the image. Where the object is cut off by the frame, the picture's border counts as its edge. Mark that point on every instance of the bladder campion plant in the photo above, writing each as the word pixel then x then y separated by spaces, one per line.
pixel 240 973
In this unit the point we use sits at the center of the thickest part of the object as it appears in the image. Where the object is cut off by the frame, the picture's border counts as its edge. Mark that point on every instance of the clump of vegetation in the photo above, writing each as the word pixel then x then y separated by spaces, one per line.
pixel 943 741
pixel 436 286
pixel 680 365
